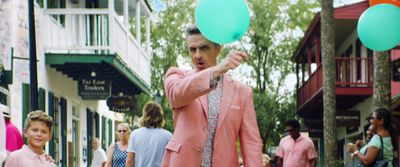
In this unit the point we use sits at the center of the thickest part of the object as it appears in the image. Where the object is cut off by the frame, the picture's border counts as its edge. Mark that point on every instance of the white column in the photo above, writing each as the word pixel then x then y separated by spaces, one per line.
pixel 138 22
pixel 148 19
pixel 126 14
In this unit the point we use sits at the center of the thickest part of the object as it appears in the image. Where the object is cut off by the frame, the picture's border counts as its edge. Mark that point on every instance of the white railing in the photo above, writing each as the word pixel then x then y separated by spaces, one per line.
pixel 94 31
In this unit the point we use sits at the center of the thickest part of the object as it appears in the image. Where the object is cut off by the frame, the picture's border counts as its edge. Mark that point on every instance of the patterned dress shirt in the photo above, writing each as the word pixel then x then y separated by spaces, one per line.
pixel 214 103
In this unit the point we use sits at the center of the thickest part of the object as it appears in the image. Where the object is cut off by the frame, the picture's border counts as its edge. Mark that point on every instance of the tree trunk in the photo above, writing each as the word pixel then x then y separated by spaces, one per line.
pixel 329 81
pixel 382 97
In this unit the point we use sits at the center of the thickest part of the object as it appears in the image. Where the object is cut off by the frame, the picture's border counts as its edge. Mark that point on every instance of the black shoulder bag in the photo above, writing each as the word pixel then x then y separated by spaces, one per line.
pixel 380 162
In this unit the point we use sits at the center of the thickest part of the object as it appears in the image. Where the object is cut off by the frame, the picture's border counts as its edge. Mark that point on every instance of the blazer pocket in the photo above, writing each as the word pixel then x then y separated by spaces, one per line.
pixel 235 107
pixel 173 146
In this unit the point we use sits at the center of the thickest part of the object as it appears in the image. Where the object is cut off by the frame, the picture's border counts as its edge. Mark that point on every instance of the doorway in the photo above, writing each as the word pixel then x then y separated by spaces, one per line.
pixel 74 155
pixel 75 144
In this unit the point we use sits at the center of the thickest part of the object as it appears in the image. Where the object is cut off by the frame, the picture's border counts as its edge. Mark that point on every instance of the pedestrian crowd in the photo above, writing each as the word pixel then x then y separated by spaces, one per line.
pixel 211 112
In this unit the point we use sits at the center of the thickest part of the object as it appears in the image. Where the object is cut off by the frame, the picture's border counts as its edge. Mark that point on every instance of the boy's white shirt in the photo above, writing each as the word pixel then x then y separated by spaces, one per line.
pixel 3 151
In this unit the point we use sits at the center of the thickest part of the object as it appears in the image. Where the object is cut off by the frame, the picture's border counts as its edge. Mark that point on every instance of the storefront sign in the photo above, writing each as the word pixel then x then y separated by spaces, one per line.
pixel 94 88
pixel 21 71
pixel 121 103
pixel 396 70
pixel 348 118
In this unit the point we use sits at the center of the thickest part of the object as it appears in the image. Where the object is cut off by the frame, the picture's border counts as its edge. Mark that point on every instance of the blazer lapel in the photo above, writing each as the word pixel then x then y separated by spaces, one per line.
pixel 228 89
pixel 203 99
pixel 204 104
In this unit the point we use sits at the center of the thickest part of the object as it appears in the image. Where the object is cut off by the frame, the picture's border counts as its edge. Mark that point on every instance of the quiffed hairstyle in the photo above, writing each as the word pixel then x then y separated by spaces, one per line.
pixel 194 30
pixel 39 115
pixel 293 123
pixel 153 116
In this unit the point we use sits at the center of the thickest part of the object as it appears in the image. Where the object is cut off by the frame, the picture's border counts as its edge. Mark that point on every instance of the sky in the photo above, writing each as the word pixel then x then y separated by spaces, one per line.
pixel 158 5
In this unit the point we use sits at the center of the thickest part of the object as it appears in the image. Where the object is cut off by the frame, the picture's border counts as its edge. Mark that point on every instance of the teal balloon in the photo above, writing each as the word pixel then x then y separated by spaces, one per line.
pixel 222 21
pixel 379 27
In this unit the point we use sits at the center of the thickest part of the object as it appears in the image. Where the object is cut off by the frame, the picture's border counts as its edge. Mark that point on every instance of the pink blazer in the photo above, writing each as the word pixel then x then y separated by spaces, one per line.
pixel 187 94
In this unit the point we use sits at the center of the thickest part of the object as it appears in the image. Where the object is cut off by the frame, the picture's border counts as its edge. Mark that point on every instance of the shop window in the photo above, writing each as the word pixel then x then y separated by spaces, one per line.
pixel 56 129
pixel 75 112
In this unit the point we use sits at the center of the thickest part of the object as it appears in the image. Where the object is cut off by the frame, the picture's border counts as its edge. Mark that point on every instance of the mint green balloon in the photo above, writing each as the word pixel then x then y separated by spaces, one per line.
pixel 222 21
pixel 379 27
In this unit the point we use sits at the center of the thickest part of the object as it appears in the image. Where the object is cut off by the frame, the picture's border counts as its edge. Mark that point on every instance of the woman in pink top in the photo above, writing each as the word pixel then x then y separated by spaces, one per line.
pixel 3 151
pixel 37 131
pixel 14 140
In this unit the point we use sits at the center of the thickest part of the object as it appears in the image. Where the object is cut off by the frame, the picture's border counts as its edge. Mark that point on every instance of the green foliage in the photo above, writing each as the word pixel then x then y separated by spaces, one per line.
pixel 168 43
pixel 272 113
pixel 168 38
pixel 272 39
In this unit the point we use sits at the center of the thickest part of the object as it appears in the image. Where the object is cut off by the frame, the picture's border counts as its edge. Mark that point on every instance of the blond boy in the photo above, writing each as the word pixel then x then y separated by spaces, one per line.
pixel 37 130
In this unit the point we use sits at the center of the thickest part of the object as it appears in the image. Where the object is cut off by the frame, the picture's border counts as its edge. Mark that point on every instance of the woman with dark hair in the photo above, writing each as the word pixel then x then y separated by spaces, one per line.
pixel 382 120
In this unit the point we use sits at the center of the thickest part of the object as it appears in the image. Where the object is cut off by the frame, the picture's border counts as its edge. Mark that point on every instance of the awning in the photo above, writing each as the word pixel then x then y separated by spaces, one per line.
pixel 106 65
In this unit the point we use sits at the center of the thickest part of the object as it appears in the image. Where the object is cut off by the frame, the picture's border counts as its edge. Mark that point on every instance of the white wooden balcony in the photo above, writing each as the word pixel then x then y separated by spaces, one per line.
pixel 97 31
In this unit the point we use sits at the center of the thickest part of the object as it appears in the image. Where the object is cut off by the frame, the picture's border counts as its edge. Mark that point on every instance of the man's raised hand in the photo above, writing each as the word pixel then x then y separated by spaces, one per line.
pixel 233 60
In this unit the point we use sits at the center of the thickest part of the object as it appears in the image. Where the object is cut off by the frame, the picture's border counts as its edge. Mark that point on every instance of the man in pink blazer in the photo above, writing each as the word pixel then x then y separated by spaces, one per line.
pixel 211 111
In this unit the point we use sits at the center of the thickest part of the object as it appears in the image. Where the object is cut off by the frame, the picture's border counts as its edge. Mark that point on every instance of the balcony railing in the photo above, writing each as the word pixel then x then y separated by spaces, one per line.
pixel 95 31
pixel 351 72
pixel 310 87
pixel 354 72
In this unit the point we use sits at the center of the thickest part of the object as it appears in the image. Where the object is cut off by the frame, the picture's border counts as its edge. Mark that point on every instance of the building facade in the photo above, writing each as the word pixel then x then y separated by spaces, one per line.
pixel 87 51
pixel 354 78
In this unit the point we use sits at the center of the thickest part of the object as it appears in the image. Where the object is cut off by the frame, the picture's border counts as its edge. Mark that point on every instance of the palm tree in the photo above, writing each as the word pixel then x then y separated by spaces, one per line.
pixel 382 97
pixel 329 80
